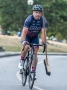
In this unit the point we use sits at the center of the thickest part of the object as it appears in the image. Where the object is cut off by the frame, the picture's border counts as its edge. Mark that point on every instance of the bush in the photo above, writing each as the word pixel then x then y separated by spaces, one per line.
pixel 59 36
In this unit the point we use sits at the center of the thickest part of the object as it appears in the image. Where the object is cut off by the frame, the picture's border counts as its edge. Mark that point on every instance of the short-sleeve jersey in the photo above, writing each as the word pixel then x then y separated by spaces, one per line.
pixel 34 26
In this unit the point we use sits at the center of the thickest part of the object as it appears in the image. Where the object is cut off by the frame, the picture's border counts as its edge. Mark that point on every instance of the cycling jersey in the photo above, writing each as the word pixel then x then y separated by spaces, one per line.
pixel 34 26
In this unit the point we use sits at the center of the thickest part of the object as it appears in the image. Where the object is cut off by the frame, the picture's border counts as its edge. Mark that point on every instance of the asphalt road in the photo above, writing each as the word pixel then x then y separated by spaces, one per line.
pixel 10 78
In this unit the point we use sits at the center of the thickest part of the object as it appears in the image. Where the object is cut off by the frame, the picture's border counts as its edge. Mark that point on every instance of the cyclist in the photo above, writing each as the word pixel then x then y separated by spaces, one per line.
pixel 31 29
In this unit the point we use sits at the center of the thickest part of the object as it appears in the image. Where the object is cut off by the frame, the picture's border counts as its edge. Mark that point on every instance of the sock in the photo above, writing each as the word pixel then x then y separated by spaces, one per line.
pixel 22 58
pixel 32 68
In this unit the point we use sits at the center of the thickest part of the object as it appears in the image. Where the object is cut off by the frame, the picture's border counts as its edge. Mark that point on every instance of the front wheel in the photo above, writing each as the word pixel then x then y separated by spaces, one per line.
pixel 24 74
pixel 24 77
pixel 32 73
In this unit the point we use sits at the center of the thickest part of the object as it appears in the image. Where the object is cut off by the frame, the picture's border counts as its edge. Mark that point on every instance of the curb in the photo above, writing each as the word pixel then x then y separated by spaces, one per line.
pixel 8 54
pixel 18 53
pixel 64 54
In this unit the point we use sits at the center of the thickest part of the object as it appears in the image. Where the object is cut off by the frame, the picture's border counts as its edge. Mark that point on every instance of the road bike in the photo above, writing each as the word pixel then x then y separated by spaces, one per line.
pixel 27 66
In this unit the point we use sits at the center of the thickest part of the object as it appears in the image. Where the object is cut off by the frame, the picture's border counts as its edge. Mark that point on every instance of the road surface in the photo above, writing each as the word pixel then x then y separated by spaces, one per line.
pixel 10 78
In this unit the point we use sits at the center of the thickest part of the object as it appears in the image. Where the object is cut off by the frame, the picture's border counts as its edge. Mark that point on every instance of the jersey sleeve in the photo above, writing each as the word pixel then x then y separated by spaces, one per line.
pixel 45 25
pixel 27 22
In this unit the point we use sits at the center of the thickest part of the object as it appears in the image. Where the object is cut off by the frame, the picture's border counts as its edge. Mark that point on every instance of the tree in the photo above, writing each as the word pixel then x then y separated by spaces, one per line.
pixel 14 12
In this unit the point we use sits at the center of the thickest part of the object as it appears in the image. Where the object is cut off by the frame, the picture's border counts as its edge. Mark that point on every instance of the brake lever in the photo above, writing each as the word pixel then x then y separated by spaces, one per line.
pixel 24 45
pixel 44 48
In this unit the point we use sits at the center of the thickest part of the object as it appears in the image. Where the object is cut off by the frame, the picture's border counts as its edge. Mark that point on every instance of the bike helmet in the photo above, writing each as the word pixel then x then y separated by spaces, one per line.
pixel 37 8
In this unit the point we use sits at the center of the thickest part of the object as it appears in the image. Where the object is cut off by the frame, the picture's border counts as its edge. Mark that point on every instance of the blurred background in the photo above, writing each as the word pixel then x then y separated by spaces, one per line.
pixel 14 12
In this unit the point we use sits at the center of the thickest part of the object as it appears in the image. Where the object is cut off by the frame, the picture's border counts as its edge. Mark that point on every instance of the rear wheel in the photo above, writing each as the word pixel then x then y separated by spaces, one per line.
pixel 32 73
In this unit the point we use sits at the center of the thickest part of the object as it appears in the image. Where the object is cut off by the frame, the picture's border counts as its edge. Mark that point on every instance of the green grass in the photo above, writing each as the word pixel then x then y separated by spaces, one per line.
pixel 12 48
pixel 11 43
pixel 54 49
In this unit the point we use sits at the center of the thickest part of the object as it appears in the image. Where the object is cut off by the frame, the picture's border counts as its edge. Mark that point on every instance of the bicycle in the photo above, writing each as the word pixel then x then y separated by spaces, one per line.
pixel 28 65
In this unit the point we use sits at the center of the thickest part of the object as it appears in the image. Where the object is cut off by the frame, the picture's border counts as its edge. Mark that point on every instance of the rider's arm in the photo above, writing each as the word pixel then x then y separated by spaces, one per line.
pixel 23 35
pixel 25 28
pixel 43 36
pixel 45 25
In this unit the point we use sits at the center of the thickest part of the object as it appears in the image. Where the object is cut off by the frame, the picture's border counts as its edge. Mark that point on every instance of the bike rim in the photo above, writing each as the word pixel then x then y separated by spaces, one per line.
pixel 32 75
pixel 24 78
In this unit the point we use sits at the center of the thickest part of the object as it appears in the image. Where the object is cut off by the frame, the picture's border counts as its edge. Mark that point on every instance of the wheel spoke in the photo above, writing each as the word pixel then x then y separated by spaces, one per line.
pixel 32 74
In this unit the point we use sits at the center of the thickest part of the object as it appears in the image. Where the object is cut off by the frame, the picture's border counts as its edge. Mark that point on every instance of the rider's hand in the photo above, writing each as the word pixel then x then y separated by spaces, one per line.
pixel 44 43
pixel 24 42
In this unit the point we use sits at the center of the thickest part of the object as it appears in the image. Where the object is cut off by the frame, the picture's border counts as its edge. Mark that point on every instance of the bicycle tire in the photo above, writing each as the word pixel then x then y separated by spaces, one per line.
pixel 24 76
pixel 32 74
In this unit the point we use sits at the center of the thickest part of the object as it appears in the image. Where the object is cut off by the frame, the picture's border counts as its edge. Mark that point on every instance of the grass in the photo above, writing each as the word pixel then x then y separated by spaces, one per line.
pixel 12 43
pixel 54 49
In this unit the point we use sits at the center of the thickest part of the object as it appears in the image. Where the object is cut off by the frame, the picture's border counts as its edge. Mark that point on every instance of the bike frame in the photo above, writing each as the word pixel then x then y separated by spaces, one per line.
pixel 30 56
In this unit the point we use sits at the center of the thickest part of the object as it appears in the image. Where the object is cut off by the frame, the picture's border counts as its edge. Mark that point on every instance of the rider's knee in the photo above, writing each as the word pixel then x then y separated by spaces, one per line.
pixel 26 47
pixel 35 51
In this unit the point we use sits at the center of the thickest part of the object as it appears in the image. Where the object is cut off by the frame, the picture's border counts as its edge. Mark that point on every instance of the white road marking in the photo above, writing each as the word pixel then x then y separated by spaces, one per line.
pixel 40 62
pixel 18 76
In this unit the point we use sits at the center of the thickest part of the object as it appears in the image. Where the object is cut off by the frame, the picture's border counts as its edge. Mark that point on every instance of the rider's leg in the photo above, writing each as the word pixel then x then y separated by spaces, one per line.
pixel 36 58
pixel 36 41
pixel 23 53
